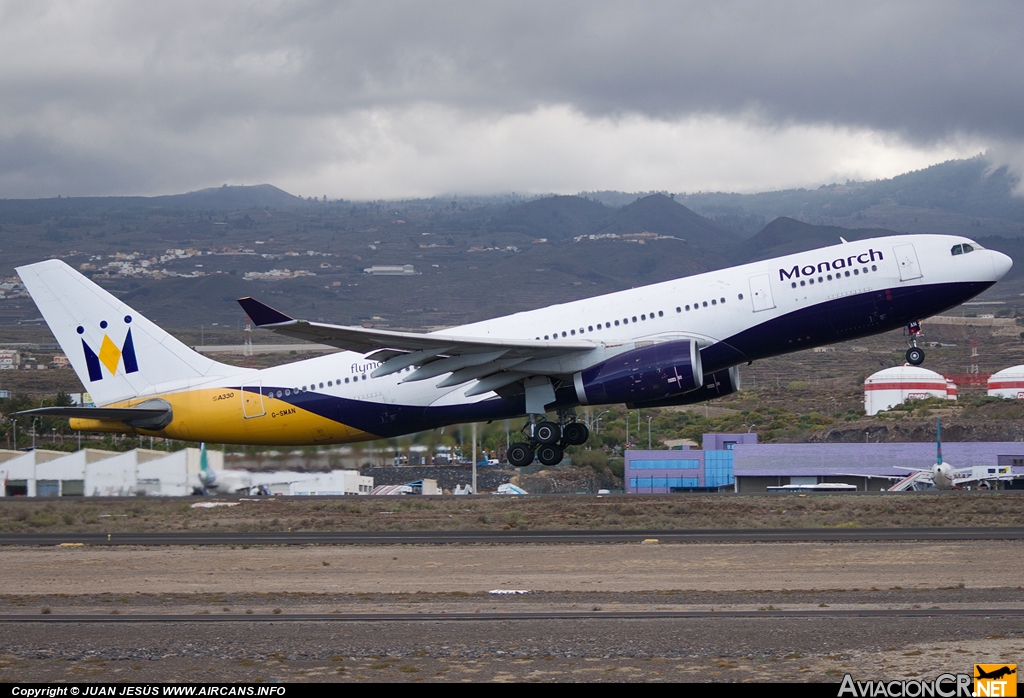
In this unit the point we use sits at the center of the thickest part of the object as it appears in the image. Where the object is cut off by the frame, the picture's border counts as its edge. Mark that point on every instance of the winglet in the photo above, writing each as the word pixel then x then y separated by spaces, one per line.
pixel 262 314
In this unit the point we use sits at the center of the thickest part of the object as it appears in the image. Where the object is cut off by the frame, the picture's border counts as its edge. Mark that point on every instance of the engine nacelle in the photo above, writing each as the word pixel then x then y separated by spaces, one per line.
pixel 649 373
pixel 715 385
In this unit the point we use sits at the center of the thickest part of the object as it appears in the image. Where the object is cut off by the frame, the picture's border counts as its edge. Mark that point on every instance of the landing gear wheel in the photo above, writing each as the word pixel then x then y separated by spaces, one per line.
pixel 547 433
pixel 520 455
pixel 575 434
pixel 915 356
pixel 549 454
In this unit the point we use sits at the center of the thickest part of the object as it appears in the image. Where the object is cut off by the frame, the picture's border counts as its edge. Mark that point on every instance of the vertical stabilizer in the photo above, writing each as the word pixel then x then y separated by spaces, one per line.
pixel 116 352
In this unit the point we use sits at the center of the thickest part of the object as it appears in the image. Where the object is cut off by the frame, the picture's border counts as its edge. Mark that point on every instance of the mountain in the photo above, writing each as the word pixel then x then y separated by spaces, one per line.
pixel 660 214
pixel 552 217
pixel 225 197
pixel 954 196
pixel 785 236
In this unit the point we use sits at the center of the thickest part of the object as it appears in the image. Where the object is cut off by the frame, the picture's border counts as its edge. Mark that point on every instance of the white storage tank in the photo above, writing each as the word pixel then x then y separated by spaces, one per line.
pixel 1008 383
pixel 896 385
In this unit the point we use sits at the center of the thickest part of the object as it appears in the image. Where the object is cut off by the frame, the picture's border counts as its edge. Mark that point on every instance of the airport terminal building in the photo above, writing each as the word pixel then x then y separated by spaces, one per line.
pixel 738 462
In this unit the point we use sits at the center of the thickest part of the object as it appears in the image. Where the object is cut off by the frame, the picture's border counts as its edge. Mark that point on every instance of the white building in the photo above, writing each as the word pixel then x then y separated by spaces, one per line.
pixel 1008 383
pixel 390 270
pixel 97 473
pixel 9 359
pixel 333 483
pixel 894 386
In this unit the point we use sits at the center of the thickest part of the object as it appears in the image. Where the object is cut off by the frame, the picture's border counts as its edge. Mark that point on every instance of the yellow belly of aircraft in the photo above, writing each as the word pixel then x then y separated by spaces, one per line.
pixel 226 415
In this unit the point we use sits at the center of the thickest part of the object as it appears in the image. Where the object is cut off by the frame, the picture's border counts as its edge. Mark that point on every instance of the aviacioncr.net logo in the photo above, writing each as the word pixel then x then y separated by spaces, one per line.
pixel 945 686
pixel 110 355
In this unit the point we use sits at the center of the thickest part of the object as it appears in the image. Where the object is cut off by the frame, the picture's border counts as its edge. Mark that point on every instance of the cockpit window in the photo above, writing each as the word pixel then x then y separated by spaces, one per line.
pixel 957 249
pixel 968 248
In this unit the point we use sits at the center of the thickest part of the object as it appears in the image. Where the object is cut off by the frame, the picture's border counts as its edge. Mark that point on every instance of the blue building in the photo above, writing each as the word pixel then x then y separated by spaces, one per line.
pixel 738 462
pixel 684 470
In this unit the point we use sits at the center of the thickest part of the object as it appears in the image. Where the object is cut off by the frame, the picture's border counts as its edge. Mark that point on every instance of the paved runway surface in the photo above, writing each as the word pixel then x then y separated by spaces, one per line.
pixel 437 537
pixel 521 616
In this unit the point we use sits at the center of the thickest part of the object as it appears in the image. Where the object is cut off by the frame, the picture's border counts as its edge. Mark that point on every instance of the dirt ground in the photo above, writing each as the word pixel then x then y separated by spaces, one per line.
pixel 477 568
pixel 185 581
pixel 46 582
pixel 691 511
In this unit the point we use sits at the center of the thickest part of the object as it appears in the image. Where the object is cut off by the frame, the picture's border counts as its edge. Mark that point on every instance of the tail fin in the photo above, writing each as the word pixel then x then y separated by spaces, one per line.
pixel 117 353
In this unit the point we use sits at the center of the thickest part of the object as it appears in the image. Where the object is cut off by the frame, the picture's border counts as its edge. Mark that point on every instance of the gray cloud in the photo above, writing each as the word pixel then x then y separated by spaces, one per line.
pixel 138 98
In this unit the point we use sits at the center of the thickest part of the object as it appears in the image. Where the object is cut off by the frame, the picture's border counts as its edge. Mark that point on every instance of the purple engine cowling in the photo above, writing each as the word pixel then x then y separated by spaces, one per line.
pixel 717 384
pixel 648 373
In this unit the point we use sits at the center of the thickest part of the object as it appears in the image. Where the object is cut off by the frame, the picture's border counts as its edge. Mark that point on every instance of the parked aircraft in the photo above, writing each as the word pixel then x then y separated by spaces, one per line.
pixel 672 343
pixel 942 476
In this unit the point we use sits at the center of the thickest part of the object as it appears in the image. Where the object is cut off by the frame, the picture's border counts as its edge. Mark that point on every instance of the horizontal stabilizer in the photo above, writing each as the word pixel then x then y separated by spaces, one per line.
pixel 155 417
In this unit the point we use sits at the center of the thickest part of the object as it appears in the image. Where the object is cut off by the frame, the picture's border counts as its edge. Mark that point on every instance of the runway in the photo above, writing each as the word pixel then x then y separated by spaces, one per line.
pixel 461 616
pixel 518 537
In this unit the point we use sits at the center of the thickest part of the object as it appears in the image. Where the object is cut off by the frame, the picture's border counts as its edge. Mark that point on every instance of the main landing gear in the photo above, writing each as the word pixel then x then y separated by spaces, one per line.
pixel 915 355
pixel 547 440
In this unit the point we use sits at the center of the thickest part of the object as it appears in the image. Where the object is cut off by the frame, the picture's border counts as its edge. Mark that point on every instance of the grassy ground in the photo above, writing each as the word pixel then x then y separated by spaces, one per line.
pixel 497 513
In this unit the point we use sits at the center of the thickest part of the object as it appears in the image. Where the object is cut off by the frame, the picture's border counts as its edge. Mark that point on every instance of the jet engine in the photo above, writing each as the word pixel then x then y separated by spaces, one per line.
pixel 715 385
pixel 648 373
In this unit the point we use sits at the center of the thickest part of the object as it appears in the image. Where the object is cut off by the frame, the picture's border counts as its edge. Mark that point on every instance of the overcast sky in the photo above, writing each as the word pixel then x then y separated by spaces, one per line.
pixel 387 100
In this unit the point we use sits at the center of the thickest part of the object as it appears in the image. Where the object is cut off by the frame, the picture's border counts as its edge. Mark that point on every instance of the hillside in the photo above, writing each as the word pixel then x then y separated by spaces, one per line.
pixel 967 196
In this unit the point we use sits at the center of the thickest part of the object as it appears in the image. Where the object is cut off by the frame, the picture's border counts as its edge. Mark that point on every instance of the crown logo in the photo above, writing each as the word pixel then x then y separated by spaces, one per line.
pixel 110 355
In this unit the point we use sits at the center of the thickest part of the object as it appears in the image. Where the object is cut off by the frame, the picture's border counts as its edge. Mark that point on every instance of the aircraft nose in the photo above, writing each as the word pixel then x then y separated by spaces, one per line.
pixel 1001 264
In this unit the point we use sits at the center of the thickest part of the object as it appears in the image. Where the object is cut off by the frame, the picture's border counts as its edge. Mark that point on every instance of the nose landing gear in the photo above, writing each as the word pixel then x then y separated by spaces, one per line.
pixel 915 355
pixel 547 440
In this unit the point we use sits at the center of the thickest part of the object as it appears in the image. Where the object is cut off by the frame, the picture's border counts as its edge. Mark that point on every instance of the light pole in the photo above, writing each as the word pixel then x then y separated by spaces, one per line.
pixel 649 418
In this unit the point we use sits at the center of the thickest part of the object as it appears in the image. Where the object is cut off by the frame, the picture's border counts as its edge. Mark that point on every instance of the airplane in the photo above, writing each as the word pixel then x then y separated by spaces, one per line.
pixel 942 476
pixel 672 343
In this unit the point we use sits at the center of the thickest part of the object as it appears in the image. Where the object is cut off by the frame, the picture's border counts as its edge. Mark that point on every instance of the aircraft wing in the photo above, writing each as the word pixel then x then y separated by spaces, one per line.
pixel 495 362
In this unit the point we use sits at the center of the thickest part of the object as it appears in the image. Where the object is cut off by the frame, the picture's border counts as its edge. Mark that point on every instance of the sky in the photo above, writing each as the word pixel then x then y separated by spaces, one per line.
pixel 386 100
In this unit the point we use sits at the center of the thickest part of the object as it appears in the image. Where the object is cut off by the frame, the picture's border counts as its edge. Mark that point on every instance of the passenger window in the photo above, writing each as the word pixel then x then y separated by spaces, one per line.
pixel 721 300
pixel 741 296
pixel 705 304
pixel 957 249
